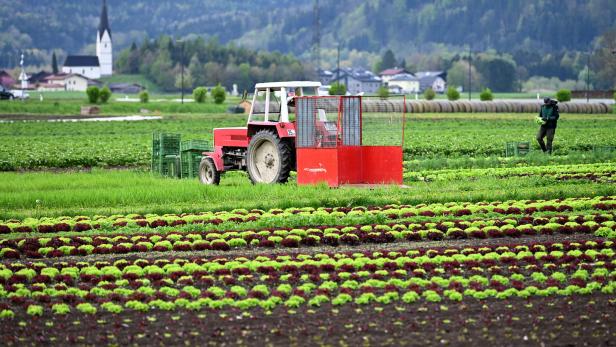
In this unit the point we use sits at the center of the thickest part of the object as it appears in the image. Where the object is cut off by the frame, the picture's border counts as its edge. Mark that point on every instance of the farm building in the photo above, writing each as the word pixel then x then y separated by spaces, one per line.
pixel 68 82
pixel 6 79
pixel 357 80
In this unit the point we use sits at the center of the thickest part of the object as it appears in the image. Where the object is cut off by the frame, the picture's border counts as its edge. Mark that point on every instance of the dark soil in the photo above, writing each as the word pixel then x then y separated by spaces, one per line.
pixel 555 321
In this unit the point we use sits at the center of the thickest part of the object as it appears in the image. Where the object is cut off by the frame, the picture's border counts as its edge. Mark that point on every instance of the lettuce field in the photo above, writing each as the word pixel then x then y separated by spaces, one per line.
pixel 477 248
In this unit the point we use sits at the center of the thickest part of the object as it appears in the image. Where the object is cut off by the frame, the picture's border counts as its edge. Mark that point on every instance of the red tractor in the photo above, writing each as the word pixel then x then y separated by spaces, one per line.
pixel 291 128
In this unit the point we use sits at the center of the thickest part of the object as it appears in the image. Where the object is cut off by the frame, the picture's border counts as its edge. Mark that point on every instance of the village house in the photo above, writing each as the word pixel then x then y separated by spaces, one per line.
pixel 6 79
pixel 406 83
pixel 357 80
pixel 437 80
pixel 67 82
pixel 388 74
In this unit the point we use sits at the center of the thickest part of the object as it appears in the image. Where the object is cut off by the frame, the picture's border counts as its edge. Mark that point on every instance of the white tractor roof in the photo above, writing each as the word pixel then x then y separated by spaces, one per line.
pixel 288 84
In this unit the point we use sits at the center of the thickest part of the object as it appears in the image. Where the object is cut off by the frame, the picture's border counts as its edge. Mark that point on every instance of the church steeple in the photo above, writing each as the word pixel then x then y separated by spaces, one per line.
pixel 104 45
pixel 103 25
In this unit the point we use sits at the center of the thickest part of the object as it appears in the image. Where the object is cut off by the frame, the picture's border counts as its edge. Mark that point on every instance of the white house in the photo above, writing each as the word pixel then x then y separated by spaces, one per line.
pixel 437 80
pixel 357 80
pixel 406 81
pixel 388 74
pixel 69 82
pixel 86 65
pixel 104 49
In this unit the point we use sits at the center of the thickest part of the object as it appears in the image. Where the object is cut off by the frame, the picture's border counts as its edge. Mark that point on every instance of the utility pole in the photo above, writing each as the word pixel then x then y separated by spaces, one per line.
pixel 469 72
pixel 338 65
pixel 587 75
pixel 316 38
pixel 182 68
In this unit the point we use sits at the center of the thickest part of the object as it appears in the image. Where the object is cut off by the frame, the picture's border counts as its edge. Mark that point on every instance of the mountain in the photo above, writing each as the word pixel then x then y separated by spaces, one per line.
pixel 371 26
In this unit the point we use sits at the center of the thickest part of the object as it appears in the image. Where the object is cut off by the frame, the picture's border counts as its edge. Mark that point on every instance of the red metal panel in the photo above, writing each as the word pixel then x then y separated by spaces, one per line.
pixel 317 165
pixel 231 137
pixel 349 164
pixel 217 158
pixel 382 164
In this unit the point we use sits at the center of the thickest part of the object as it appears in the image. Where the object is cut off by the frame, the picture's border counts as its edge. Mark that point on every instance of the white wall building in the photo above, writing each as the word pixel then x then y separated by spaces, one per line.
pixel 104 49
pixel 86 65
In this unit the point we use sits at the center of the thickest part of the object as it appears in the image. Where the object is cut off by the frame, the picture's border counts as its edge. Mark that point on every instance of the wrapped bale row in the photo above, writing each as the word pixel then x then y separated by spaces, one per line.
pixel 442 106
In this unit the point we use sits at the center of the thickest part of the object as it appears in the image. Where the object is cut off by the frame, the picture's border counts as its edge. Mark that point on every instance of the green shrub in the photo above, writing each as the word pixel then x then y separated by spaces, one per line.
pixel 383 92
pixel 429 94
pixel 144 96
pixel 614 96
pixel 486 95
pixel 219 94
pixel 104 94
pixel 337 89
pixel 452 94
pixel 563 95
pixel 93 94
pixel 200 94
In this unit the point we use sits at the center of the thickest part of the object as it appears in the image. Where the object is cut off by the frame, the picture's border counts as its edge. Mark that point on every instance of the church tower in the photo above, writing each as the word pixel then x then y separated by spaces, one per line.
pixel 103 43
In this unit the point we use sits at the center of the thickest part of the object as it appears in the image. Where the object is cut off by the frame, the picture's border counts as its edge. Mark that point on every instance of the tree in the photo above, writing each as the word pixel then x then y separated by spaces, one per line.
pixel 603 61
pixel 486 95
pixel 458 75
pixel 93 93
pixel 429 94
pixel 452 93
pixel 388 61
pixel 498 73
pixel 186 78
pixel 383 92
pixel 144 96
pixel 337 89
pixel 563 95
pixel 197 71
pixel 104 94
pixel 219 94
pixel 54 63
pixel 200 94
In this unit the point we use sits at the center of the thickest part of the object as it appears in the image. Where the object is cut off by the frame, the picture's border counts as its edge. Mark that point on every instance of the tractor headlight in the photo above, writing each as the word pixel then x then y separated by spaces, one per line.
pixel 291 132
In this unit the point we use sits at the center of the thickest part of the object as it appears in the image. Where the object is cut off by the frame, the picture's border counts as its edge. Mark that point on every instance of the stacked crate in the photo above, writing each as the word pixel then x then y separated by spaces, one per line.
pixel 166 154
pixel 514 149
pixel 191 152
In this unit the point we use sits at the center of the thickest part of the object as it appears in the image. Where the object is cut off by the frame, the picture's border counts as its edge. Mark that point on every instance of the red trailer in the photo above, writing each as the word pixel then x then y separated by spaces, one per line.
pixel 339 140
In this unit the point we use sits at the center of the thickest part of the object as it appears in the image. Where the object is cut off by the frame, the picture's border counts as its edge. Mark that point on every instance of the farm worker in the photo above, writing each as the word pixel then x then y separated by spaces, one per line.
pixel 548 117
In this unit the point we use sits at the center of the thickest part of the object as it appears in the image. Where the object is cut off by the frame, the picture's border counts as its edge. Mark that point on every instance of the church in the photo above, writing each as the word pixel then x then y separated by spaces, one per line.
pixel 101 64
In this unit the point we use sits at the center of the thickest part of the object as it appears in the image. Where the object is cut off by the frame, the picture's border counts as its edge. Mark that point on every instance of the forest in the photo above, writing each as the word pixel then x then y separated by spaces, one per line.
pixel 545 38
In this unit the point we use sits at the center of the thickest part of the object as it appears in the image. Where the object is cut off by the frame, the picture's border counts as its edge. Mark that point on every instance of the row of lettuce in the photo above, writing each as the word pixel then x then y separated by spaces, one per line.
pixel 602 225
pixel 303 280
pixel 577 171
pixel 305 215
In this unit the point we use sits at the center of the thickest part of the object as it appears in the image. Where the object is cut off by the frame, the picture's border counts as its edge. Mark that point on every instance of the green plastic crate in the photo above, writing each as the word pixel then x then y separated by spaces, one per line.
pixel 514 149
pixel 170 166
pixel 599 149
pixel 164 145
pixel 190 161
pixel 195 145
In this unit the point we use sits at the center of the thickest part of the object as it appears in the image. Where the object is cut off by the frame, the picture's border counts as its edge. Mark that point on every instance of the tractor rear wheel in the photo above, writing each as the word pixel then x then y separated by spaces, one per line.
pixel 207 172
pixel 269 159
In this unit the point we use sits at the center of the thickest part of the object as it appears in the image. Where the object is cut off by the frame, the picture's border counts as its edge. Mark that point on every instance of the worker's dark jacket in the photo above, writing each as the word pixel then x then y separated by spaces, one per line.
pixel 550 115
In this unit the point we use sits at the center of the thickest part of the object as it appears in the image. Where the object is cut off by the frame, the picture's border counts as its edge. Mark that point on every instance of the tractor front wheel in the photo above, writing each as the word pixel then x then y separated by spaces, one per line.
pixel 269 159
pixel 207 172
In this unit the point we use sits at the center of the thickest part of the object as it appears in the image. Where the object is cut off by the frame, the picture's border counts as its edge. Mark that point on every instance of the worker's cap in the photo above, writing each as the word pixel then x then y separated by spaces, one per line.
pixel 546 100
